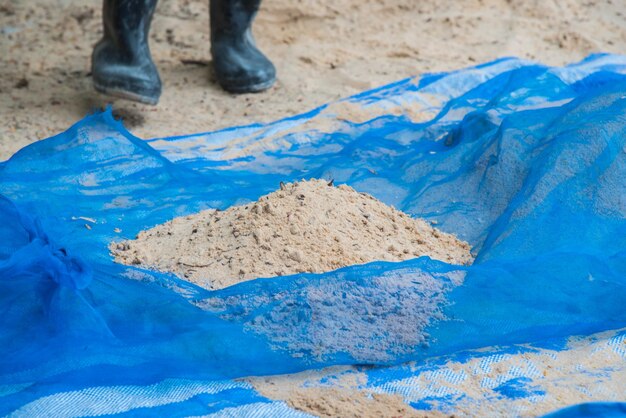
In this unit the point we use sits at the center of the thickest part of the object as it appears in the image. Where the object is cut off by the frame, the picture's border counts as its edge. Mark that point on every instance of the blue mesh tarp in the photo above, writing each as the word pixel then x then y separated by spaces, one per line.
pixel 525 162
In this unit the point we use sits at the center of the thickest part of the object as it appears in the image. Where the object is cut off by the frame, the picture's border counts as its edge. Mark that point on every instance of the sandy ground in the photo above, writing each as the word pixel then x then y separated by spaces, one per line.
pixel 323 50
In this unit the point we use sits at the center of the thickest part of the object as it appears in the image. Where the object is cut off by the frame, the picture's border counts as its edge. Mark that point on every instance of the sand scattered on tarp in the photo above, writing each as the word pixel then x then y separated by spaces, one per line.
pixel 307 226
pixel 336 392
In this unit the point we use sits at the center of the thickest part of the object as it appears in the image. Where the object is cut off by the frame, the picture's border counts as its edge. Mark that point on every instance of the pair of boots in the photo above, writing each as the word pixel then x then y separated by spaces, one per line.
pixel 122 65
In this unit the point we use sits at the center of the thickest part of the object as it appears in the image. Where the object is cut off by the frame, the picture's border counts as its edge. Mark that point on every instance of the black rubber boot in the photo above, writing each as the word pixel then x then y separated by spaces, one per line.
pixel 239 66
pixel 121 64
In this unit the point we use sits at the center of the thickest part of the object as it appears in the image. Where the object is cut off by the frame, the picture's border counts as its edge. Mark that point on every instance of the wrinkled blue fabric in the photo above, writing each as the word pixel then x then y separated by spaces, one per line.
pixel 525 162
pixel 597 410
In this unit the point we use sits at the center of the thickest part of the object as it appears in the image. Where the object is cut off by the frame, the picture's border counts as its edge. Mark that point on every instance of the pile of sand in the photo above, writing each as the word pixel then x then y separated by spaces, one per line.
pixel 308 226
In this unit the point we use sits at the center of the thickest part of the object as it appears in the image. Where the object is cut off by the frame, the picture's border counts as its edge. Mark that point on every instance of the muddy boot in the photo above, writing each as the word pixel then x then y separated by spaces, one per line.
pixel 121 63
pixel 239 66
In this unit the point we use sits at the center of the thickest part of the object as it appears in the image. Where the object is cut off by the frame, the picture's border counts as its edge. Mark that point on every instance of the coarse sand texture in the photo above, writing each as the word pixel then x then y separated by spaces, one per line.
pixel 308 226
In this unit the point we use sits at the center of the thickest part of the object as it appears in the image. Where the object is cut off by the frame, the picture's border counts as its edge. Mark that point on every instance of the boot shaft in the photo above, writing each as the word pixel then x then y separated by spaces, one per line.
pixel 232 18
pixel 127 23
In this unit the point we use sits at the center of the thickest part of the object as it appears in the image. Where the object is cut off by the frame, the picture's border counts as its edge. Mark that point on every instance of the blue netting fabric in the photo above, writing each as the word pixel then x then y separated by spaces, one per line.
pixel 525 162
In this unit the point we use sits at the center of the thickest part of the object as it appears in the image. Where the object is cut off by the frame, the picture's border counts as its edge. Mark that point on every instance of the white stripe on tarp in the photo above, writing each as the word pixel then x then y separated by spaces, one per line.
pixel 103 400
pixel 259 410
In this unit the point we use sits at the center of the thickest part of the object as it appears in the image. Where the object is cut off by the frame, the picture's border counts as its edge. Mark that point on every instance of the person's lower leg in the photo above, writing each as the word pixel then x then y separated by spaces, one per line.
pixel 121 61
pixel 239 65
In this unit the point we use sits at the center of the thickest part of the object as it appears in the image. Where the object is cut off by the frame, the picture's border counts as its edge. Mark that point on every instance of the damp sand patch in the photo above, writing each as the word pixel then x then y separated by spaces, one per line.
pixel 307 226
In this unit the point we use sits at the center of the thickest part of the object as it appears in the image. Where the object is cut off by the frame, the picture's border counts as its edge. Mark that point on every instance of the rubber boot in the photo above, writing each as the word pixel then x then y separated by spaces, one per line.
pixel 121 64
pixel 239 66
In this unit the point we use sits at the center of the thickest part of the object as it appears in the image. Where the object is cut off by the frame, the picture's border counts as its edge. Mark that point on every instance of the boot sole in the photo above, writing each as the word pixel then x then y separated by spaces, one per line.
pixel 237 88
pixel 125 94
